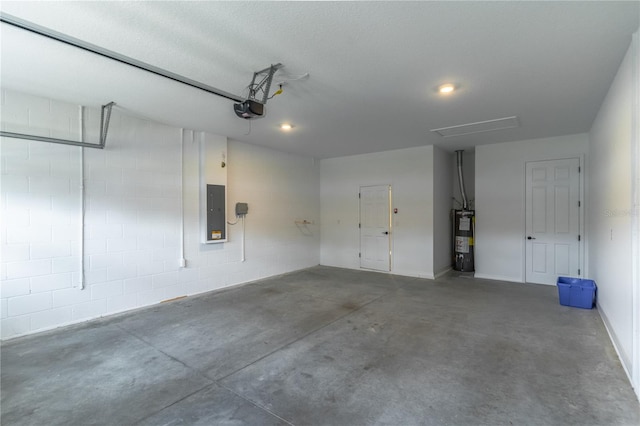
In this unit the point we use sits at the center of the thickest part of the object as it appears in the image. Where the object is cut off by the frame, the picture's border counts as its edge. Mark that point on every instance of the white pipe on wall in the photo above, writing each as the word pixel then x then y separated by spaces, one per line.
pixel 183 261
pixel 243 228
pixel 82 197
pixel 463 192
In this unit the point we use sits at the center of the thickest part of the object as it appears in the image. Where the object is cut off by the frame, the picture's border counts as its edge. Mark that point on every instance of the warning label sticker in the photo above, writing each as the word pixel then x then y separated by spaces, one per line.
pixel 462 244
pixel 465 224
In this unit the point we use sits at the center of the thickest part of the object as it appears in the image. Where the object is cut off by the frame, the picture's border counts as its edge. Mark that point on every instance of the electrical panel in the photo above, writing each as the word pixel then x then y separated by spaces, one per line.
pixel 216 218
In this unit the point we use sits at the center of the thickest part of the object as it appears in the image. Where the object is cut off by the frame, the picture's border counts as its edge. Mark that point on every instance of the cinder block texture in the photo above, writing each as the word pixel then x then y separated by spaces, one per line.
pixel 136 192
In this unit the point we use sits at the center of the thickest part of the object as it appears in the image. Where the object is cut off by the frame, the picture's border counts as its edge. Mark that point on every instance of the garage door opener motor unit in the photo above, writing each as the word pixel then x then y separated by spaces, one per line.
pixel 254 106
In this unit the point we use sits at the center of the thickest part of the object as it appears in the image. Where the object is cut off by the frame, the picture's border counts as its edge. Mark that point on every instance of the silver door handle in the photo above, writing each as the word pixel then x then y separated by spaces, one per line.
pixel 531 238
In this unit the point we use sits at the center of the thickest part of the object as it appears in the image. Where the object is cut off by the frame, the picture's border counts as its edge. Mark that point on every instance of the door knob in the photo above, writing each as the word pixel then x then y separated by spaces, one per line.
pixel 386 232
pixel 530 238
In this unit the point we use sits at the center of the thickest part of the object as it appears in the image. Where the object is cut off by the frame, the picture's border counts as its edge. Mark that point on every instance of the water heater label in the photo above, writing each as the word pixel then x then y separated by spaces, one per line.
pixel 465 224
pixel 462 244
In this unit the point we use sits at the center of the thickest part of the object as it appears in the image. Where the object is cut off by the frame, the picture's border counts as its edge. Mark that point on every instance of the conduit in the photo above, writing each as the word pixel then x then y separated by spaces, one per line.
pixel 242 249
pixel 243 252
pixel 82 198
pixel 183 261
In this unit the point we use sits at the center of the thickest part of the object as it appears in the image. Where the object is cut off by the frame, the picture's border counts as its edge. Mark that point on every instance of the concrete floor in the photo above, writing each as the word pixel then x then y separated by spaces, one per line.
pixel 328 346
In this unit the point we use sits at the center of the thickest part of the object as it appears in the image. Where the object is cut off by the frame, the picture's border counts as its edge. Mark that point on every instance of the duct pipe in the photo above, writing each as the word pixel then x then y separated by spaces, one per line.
pixel 463 193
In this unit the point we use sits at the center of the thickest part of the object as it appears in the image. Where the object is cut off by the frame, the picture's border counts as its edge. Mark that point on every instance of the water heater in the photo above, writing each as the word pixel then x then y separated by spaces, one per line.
pixel 464 228
pixel 463 239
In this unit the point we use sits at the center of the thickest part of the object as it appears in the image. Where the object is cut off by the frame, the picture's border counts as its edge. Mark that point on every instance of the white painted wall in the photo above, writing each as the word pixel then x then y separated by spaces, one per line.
pixel 133 217
pixel 410 172
pixel 279 189
pixel 500 200
pixel 611 207
pixel 442 193
pixel 635 219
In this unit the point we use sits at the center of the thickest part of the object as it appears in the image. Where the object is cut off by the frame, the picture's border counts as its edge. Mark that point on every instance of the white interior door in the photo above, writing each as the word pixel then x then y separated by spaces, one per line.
pixel 375 227
pixel 552 220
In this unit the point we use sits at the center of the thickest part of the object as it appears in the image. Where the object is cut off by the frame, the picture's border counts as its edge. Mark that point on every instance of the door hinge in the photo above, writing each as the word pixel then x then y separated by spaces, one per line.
pixel 579 203
pixel 579 238
pixel 359 225
pixel 359 195
pixel 359 254
pixel 578 271
pixel 579 169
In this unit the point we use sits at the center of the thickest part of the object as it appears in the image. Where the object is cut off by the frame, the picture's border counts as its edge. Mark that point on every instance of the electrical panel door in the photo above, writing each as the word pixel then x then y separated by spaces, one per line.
pixel 216 218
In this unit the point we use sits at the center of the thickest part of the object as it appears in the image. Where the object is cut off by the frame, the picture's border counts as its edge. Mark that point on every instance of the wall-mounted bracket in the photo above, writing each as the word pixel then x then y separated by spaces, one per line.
pixel 105 117
pixel 261 84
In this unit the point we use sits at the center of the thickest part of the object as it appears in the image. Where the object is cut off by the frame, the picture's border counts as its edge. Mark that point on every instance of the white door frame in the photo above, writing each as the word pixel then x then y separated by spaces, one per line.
pixel 389 225
pixel 583 243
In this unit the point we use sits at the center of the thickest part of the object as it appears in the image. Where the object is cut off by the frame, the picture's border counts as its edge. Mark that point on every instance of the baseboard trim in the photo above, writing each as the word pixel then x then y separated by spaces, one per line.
pixel 616 347
pixel 442 272
pixel 496 278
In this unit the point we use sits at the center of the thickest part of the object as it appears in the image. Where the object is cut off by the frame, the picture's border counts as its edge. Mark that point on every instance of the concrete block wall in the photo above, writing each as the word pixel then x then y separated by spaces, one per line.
pixel 40 195
pixel 279 189
pixel 133 218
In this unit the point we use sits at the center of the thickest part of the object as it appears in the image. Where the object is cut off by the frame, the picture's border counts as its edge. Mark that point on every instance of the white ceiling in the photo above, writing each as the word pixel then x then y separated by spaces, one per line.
pixel 373 66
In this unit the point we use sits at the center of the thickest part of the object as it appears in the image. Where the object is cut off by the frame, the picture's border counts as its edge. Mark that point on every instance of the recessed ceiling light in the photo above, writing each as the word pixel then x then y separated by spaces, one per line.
pixel 286 127
pixel 446 88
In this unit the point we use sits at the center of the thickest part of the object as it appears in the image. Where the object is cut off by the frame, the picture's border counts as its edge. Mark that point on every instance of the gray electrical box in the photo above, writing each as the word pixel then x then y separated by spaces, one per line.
pixel 241 209
pixel 216 218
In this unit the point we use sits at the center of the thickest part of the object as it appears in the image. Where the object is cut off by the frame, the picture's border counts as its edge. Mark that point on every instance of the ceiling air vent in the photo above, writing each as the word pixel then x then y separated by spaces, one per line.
pixel 479 127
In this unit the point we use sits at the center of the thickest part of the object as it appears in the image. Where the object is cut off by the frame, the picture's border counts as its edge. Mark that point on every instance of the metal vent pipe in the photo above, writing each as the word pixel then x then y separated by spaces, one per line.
pixel 463 193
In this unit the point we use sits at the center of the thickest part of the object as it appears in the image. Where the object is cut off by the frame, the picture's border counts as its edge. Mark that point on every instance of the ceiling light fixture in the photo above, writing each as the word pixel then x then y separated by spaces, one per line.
pixel 286 127
pixel 446 88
